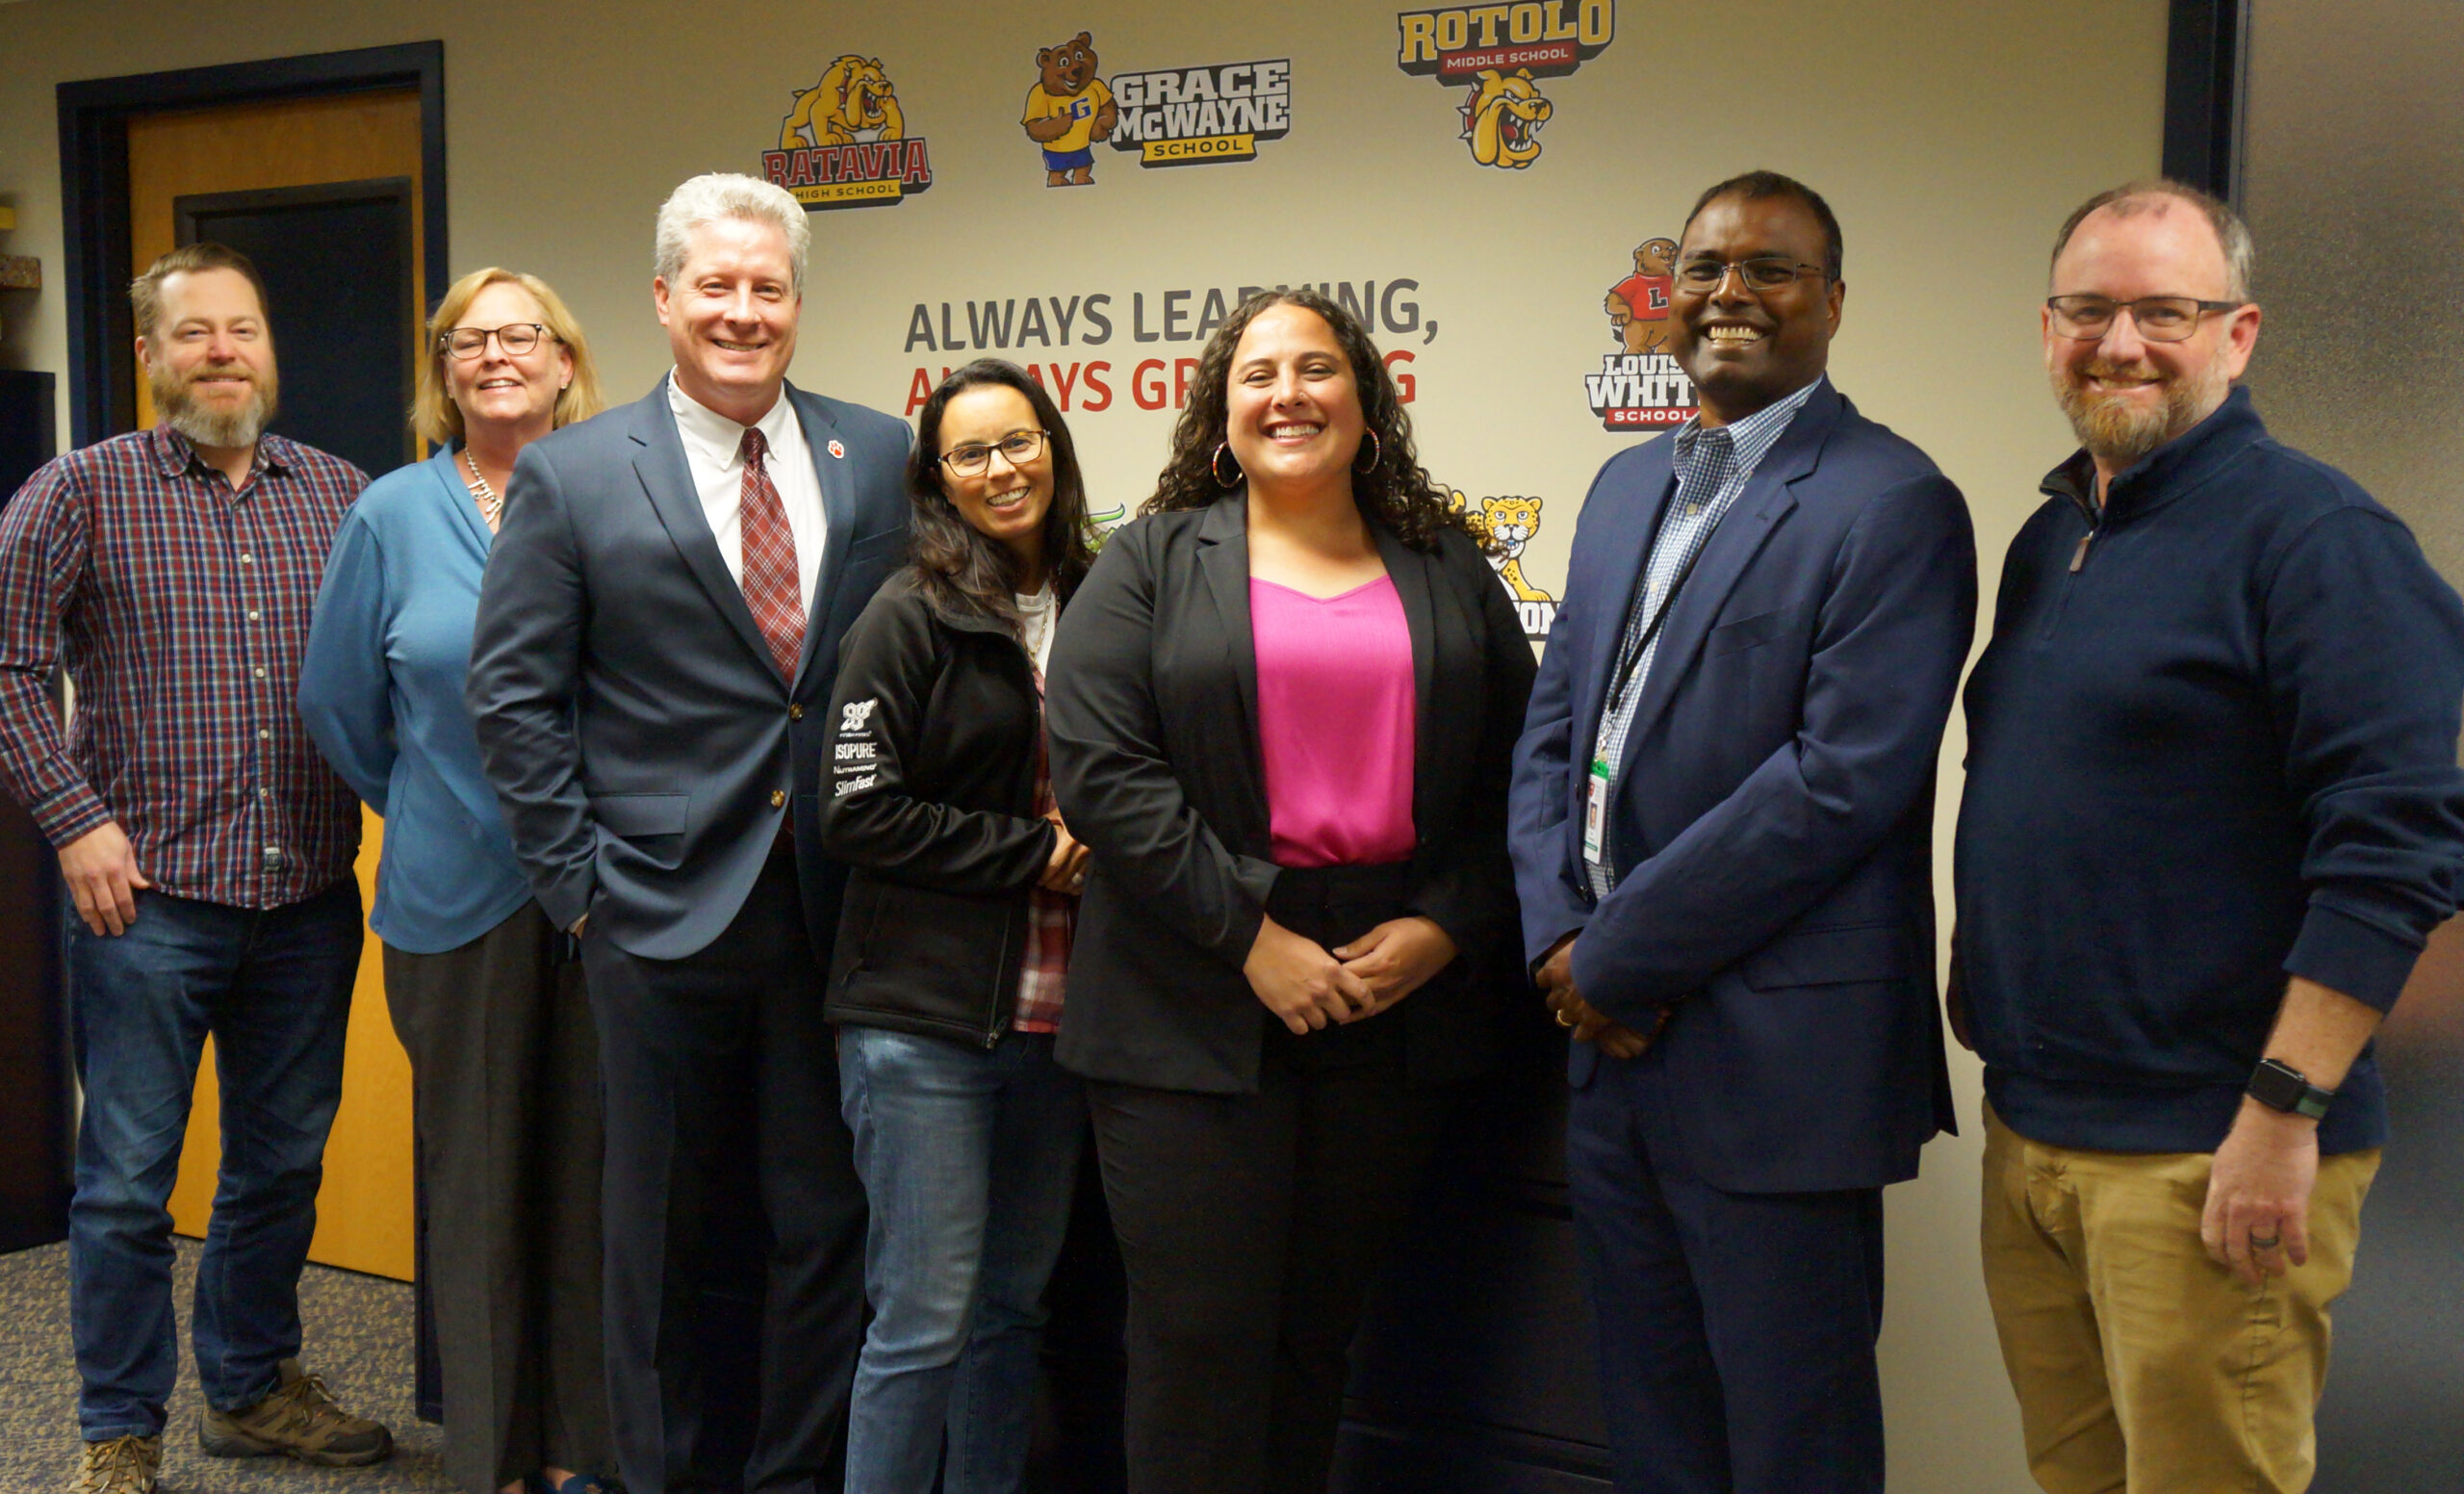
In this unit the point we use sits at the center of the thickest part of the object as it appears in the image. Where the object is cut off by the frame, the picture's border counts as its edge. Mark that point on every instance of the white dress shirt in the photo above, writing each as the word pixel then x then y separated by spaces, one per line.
pixel 714 455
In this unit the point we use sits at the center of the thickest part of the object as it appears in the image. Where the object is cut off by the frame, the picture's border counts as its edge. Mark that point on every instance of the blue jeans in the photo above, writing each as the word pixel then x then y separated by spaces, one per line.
pixel 968 1156
pixel 274 987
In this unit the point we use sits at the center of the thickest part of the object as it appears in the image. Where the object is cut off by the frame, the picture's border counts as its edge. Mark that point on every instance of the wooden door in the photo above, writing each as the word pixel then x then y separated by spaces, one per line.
pixel 364 1213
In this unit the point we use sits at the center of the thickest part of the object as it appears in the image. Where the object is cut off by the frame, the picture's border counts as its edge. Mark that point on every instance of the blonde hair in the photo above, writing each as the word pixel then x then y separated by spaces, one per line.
pixel 434 415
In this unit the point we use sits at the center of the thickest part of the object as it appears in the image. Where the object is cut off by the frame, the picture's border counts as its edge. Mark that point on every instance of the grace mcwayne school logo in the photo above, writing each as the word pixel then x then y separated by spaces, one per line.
pixel 1511 521
pixel 1640 387
pixel 1199 115
pixel 1499 54
pixel 844 142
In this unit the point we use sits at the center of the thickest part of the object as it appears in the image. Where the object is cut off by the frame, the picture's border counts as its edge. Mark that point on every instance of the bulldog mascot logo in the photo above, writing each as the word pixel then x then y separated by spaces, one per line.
pixel 1498 53
pixel 1502 118
pixel 853 102
pixel 845 142
pixel 1068 109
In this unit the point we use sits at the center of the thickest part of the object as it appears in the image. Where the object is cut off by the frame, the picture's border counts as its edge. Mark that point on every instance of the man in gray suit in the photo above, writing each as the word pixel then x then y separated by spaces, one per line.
pixel 656 637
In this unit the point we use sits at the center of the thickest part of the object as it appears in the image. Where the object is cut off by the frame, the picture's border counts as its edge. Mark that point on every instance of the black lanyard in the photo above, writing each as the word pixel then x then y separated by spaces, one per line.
pixel 1628 659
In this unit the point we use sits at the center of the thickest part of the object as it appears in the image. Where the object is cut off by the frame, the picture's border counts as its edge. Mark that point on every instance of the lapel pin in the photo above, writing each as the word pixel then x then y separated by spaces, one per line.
pixel 836 449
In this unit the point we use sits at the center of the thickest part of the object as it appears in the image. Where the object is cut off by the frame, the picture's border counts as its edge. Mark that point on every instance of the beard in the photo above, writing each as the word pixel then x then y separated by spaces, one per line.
pixel 238 427
pixel 2119 431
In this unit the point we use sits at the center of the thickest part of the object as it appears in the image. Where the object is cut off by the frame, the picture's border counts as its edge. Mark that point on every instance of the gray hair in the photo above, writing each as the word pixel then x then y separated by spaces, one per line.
pixel 2232 235
pixel 722 194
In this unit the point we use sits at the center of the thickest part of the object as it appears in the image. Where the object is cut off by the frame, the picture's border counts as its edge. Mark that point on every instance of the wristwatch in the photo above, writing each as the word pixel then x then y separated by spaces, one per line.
pixel 2279 1086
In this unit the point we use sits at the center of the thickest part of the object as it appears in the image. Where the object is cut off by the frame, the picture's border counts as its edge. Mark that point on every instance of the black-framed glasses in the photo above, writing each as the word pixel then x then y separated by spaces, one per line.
pixel 516 338
pixel 1763 272
pixel 2159 318
pixel 1018 448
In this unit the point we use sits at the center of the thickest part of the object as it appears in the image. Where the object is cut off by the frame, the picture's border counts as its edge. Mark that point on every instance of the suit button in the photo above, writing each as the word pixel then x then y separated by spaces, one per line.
pixel 778 798
pixel 795 713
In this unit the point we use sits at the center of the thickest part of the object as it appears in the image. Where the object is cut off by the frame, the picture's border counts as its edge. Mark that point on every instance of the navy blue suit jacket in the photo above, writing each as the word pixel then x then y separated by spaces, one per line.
pixel 638 734
pixel 1773 823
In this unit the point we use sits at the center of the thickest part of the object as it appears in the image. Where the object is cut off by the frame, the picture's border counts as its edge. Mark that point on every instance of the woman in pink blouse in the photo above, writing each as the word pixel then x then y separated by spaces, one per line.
pixel 1281 711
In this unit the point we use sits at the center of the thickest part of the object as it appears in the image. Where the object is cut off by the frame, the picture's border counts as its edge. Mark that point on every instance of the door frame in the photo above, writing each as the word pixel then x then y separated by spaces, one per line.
pixel 93 182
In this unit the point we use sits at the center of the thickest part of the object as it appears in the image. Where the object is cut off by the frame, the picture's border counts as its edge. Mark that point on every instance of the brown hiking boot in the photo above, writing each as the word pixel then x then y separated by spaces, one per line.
pixel 298 1420
pixel 121 1465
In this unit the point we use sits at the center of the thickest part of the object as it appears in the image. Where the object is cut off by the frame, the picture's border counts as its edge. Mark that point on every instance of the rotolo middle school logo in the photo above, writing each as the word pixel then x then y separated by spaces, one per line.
pixel 1498 53
pixel 1639 387
pixel 1198 115
pixel 845 142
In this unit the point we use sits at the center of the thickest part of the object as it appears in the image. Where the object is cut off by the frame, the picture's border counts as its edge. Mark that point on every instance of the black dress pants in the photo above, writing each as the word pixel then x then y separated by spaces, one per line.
pixel 1250 1226
pixel 504 1086
pixel 711 1061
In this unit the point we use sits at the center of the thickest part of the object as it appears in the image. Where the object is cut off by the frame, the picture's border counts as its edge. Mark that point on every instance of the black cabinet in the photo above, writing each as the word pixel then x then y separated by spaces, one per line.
pixel 35 1093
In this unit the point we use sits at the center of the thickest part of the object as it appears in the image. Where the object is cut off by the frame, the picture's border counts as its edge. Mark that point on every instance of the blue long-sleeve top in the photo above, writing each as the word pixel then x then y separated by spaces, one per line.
pixel 2212 744
pixel 381 693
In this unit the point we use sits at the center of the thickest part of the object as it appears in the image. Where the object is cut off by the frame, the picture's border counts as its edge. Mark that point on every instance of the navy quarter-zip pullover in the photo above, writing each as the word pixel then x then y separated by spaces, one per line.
pixel 2212 743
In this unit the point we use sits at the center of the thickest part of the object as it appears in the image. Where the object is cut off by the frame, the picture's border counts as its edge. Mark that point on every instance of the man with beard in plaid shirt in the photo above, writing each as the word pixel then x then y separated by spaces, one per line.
pixel 207 850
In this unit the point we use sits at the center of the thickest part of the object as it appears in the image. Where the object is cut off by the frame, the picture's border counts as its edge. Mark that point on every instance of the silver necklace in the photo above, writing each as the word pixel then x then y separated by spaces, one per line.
pixel 491 504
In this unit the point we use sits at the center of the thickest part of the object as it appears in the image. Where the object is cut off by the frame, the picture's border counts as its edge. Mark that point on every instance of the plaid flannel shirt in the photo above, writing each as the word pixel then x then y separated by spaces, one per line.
pixel 179 607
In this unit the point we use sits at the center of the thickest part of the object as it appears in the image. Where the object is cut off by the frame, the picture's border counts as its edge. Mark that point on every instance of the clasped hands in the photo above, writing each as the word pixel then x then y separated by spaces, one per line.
pixel 1555 979
pixel 1308 985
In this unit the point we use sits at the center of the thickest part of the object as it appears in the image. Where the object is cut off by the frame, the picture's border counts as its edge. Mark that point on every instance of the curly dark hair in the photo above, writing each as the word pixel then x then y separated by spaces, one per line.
pixel 959 568
pixel 1397 492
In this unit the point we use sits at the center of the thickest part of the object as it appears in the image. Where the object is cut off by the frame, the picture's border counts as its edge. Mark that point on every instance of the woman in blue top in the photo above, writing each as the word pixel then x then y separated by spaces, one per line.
pixel 484 992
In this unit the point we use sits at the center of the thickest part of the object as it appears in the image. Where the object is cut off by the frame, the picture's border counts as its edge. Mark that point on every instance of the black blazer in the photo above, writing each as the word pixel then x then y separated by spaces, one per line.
pixel 1152 718
pixel 928 791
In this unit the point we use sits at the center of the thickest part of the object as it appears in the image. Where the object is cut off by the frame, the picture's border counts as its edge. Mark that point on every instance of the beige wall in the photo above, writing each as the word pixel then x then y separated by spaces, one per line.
pixel 1945 136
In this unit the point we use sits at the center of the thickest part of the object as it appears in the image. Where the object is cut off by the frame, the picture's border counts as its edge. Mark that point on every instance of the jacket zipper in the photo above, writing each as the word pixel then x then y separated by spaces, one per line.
pixel 992 1023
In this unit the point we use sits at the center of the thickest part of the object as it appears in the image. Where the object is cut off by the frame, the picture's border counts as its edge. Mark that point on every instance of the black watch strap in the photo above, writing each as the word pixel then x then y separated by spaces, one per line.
pixel 2279 1086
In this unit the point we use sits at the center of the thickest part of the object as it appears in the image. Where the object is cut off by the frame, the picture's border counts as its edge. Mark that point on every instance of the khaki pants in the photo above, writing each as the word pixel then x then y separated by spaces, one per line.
pixel 2140 1364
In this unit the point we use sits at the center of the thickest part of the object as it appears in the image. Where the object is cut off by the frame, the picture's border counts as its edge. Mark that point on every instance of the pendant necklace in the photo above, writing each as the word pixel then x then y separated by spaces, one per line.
pixel 491 504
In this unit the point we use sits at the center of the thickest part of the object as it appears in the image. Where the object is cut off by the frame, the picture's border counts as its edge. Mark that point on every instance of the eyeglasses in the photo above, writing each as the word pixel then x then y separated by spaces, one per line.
pixel 1767 272
pixel 2159 318
pixel 1018 448
pixel 516 338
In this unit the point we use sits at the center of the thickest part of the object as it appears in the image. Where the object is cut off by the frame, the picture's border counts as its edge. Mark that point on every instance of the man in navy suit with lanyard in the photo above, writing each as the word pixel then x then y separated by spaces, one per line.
pixel 658 635
pixel 1722 827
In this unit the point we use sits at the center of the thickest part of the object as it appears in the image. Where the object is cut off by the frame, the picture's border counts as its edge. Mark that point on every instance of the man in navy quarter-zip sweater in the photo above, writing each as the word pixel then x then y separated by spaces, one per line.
pixel 2212 814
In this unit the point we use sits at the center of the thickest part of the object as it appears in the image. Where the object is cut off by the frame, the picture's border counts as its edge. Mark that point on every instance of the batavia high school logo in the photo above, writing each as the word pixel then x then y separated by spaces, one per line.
pixel 1640 386
pixel 845 142
pixel 1498 53
pixel 1195 116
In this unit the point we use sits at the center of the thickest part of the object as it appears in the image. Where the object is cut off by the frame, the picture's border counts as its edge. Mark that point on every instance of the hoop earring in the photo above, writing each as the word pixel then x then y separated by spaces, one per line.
pixel 1377 454
pixel 1215 465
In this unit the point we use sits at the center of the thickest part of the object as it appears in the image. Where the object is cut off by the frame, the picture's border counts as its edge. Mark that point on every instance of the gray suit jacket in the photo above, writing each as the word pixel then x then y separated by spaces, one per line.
pixel 628 715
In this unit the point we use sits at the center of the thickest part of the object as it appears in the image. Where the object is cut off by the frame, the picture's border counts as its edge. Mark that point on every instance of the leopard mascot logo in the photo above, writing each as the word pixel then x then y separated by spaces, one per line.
pixel 1508 523
pixel 853 102
pixel 1502 118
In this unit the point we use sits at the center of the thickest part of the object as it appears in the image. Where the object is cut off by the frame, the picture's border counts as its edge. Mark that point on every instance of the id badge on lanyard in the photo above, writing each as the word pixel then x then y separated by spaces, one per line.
pixel 1595 814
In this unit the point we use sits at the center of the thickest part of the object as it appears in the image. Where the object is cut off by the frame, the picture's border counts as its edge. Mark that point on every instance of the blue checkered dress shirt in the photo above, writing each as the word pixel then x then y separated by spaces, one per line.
pixel 1712 468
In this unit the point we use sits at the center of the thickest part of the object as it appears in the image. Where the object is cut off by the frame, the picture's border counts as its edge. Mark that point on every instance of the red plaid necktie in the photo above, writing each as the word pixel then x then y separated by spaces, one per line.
pixel 770 585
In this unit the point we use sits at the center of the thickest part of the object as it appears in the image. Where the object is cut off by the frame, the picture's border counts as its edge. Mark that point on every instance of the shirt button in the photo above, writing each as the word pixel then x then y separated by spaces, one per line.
pixel 246 559
pixel 264 794
pixel 778 798
pixel 261 674
pixel 252 614
pixel 795 713
pixel 264 735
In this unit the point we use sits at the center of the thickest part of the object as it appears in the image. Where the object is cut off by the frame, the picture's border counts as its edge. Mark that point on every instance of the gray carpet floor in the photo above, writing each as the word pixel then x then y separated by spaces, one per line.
pixel 358 1337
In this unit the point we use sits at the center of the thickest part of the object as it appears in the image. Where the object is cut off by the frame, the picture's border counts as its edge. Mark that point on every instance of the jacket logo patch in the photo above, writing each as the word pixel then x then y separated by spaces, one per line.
pixel 853 715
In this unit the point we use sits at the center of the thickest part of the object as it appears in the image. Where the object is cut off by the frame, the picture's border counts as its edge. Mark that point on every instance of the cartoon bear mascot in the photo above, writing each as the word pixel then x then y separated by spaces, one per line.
pixel 1638 305
pixel 1068 109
